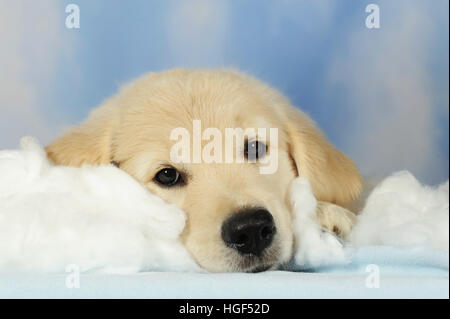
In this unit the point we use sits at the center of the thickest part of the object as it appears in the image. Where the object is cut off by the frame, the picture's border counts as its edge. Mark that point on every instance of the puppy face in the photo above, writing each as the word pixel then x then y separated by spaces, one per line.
pixel 238 219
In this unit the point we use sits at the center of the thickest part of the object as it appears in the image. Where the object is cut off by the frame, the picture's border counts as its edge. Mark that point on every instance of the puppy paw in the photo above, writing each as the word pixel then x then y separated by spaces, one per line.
pixel 335 218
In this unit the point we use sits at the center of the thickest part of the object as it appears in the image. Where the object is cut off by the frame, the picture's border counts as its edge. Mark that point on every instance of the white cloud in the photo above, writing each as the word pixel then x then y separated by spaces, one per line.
pixel 388 83
pixel 31 37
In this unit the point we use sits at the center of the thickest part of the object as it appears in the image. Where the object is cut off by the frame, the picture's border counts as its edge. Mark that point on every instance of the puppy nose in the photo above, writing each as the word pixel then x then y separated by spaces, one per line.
pixel 249 231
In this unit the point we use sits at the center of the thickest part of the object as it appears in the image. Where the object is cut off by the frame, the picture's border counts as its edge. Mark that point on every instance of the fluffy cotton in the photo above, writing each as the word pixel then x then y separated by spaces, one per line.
pixel 402 212
pixel 314 246
pixel 98 218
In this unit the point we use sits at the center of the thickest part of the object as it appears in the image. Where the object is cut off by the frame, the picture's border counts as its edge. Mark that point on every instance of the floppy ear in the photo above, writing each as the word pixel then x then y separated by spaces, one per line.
pixel 88 143
pixel 334 177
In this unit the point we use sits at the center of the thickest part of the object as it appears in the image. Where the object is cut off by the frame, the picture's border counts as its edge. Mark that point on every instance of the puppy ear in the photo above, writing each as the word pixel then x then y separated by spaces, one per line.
pixel 334 177
pixel 88 143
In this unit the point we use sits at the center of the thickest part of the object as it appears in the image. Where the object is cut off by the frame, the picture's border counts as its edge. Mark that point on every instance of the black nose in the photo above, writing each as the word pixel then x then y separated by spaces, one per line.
pixel 249 231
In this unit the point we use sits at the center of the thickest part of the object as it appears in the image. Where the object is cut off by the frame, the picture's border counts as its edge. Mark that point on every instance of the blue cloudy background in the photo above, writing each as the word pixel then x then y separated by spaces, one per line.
pixel 381 95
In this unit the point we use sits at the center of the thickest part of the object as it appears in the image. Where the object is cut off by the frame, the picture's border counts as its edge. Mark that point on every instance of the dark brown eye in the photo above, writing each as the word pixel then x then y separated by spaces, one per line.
pixel 168 177
pixel 254 150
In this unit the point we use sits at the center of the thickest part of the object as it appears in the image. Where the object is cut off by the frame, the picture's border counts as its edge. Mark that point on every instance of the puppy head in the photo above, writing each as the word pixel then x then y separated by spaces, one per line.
pixel 238 219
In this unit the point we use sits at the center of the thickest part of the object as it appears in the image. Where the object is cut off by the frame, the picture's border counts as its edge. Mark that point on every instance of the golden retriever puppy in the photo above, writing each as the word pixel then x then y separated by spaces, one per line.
pixel 238 218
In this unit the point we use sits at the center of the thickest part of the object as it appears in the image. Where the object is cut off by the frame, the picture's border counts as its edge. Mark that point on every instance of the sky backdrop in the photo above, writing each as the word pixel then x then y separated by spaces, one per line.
pixel 380 95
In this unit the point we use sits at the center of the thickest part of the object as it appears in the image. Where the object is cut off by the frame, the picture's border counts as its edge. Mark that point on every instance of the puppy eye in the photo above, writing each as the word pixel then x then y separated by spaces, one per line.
pixel 254 150
pixel 168 177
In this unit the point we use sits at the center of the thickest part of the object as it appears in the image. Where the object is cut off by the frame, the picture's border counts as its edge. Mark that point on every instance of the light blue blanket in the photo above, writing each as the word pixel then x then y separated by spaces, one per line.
pixel 375 272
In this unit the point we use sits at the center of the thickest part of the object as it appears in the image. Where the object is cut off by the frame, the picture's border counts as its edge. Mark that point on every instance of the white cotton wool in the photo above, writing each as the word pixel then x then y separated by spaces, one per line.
pixel 399 212
pixel 402 212
pixel 314 246
pixel 98 218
